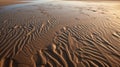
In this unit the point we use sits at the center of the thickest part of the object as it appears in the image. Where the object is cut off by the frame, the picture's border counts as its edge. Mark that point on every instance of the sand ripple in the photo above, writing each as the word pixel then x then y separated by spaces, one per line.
pixel 60 35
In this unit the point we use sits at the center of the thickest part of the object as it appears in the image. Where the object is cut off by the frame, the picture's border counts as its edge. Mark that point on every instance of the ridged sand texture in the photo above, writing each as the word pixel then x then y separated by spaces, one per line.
pixel 61 34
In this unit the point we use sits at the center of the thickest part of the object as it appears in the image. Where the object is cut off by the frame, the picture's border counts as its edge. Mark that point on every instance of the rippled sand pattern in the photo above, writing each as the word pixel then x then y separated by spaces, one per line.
pixel 58 34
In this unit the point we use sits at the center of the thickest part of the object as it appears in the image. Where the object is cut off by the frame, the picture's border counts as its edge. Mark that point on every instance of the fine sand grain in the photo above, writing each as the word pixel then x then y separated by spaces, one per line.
pixel 61 34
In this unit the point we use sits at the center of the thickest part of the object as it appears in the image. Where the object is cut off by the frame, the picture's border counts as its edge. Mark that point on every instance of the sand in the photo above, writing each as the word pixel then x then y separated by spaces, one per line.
pixel 60 34
pixel 10 2
pixel 7 2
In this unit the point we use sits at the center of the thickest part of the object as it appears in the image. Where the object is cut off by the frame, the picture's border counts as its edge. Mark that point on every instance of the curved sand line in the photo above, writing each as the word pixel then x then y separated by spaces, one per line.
pixel 60 34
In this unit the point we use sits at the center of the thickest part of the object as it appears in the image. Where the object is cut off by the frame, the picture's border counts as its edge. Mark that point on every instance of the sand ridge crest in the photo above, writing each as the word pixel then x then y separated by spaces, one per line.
pixel 58 34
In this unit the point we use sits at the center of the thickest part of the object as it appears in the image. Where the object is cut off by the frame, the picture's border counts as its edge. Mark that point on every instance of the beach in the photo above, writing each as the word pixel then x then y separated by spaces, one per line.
pixel 60 33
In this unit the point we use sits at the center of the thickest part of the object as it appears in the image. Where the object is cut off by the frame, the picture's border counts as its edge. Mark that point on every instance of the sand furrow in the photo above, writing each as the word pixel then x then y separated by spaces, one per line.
pixel 6 35
pixel 49 64
pixel 25 52
pixel 5 44
pixel 53 61
pixel 97 57
pixel 41 27
pixel 17 42
pixel 68 58
pixel 99 62
pixel 59 58
pixel 62 60
pixel 20 43
pixel 23 42
pixel 12 42
pixel 86 64
pixel 56 61
pixel 46 35
pixel 42 58
pixel 93 54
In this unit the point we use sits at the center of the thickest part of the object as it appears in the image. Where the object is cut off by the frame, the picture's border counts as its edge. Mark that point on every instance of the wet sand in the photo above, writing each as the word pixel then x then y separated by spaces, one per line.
pixel 60 34
pixel 11 2
pixel 8 2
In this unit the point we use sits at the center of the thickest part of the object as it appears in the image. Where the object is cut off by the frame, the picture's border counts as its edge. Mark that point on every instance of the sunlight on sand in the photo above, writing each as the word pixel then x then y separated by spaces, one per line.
pixel 54 33
pixel 43 0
